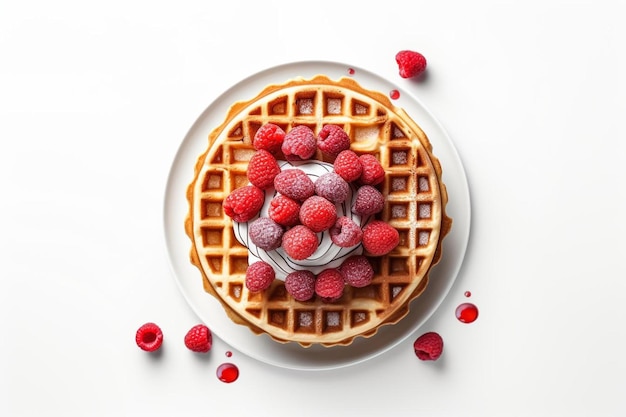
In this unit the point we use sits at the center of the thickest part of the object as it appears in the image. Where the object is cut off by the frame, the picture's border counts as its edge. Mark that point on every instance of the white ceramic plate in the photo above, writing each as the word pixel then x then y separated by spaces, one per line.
pixel 292 355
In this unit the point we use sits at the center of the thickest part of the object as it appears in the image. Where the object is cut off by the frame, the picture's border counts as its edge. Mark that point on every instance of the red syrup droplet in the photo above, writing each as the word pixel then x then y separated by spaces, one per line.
pixel 227 372
pixel 394 94
pixel 229 354
pixel 466 312
pixel 351 71
pixel 468 294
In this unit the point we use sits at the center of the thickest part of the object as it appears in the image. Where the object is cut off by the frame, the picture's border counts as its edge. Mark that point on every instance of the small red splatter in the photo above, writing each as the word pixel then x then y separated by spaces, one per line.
pixel 394 94
pixel 468 294
pixel 227 372
pixel 351 71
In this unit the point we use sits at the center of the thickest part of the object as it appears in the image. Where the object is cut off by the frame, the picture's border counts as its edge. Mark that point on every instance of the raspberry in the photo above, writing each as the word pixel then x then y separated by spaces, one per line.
pixel 299 242
pixel 345 233
pixel 295 184
pixel 410 63
pixel 299 144
pixel 332 187
pixel 368 201
pixel 149 337
pixel 373 172
pixel 379 238
pixel 301 285
pixel 262 169
pixel 348 165
pixel 329 285
pixel 284 210
pixel 332 140
pixel 269 137
pixel 357 271
pixel 429 346
pixel 318 214
pixel 244 203
pixel 199 339
pixel 265 233
pixel 259 276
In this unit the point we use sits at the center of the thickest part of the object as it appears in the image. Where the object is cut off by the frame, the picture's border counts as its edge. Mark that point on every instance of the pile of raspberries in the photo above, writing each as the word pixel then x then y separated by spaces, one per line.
pixel 302 208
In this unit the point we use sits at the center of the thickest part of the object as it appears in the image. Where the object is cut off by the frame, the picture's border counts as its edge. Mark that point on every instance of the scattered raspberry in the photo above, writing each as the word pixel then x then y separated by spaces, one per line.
pixel 262 169
pixel 332 187
pixel 357 271
pixel 368 201
pixel 301 285
pixel 149 337
pixel 269 137
pixel 379 238
pixel 348 165
pixel 332 139
pixel 373 172
pixel 329 285
pixel 429 346
pixel 299 144
pixel 295 184
pixel 410 63
pixel 345 233
pixel 199 338
pixel 265 233
pixel 318 214
pixel 284 210
pixel 299 242
pixel 244 203
pixel 259 276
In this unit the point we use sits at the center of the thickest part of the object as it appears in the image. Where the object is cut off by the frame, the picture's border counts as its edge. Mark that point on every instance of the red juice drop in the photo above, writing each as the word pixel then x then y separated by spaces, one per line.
pixel 466 312
pixel 394 94
pixel 468 294
pixel 229 354
pixel 351 71
pixel 227 372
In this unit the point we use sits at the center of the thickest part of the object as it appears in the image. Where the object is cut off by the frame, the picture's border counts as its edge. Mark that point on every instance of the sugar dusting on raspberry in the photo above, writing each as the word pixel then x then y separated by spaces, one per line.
pixel 265 233
pixel 357 271
pixel 295 184
pixel 368 201
pixel 332 187
pixel 345 233
pixel 301 285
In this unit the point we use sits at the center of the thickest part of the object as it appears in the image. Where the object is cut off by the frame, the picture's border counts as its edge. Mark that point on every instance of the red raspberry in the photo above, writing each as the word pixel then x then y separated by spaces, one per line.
pixel 318 214
pixel 299 242
pixel 332 187
pixel 368 201
pixel 149 337
pixel 345 233
pixel 301 285
pixel 284 210
pixel 265 233
pixel 348 165
pixel 410 63
pixel 357 271
pixel 199 339
pixel 379 238
pixel 329 285
pixel 373 172
pixel 269 137
pixel 332 140
pixel 262 169
pixel 429 346
pixel 299 144
pixel 259 276
pixel 244 203
pixel 295 184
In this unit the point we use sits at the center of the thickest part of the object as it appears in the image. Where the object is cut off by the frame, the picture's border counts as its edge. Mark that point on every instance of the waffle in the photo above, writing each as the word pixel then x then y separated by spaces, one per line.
pixel 415 200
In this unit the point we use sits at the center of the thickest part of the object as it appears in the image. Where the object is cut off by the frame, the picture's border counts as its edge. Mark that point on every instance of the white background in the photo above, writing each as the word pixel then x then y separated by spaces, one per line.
pixel 95 100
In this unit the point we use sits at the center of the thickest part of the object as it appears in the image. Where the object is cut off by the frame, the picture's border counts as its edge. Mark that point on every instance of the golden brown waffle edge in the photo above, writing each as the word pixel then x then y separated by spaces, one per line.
pixel 382 307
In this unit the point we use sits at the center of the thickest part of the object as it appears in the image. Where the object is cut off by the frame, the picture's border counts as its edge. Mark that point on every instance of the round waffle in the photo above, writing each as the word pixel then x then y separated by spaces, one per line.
pixel 415 200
